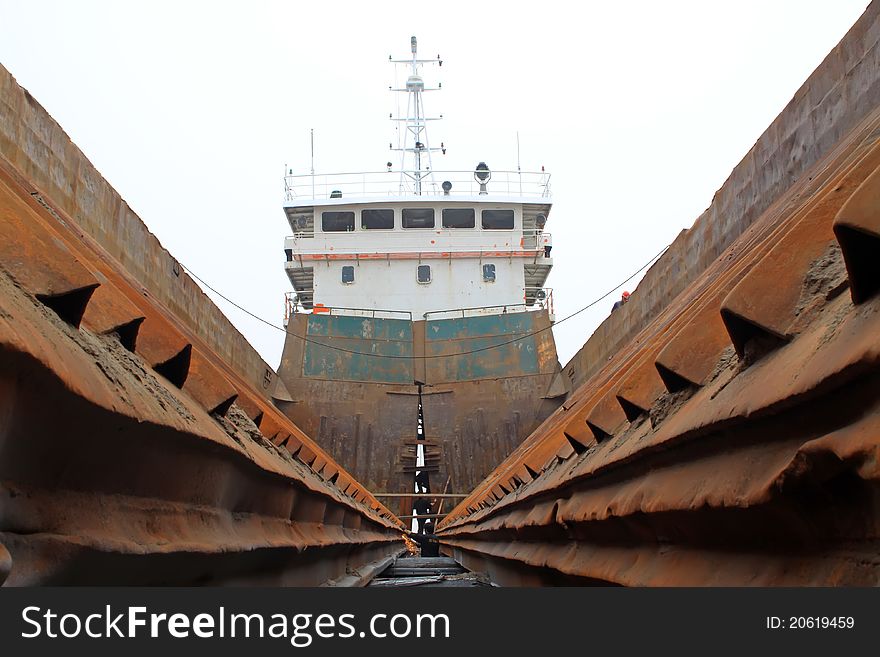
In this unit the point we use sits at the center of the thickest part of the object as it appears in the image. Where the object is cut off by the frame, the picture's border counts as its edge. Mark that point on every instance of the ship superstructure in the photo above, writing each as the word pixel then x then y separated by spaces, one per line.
pixel 417 242
pixel 416 291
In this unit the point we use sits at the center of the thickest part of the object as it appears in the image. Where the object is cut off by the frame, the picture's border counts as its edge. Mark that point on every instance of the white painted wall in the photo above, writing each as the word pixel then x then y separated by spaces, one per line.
pixel 456 283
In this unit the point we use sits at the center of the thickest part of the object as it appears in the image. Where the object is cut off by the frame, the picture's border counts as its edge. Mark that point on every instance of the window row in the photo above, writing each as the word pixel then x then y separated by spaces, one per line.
pixel 423 273
pixel 383 219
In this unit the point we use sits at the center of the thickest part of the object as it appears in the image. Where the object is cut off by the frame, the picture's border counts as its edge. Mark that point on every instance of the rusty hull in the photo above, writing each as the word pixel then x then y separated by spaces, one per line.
pixel 734 440
pixel 472 422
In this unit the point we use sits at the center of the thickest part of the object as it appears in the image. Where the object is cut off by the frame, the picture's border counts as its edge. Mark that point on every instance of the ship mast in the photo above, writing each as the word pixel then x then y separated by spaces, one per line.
pixel 415 151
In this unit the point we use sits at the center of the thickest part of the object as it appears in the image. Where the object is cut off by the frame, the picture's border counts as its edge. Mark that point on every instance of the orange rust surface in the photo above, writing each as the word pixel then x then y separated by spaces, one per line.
pixel 688 359
pixel 857 228
pixel 160 336
pixel 56 174
pixel 738 430
pixel 641 389
pixel 34 257
pixel 122 440
pixel 706 295
pixel 207 385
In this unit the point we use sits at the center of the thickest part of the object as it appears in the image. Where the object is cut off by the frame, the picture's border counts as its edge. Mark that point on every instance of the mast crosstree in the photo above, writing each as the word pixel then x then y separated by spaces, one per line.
pixel 413 145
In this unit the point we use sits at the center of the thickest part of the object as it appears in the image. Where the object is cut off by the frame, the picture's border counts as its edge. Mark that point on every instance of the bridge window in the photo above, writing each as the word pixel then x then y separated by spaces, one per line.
pixel 458 218
pixel 337 222
pixel 348 274
pixel 424 274
pixel 489 273
pixel 377 219
pixel 418 217
pixel 497 219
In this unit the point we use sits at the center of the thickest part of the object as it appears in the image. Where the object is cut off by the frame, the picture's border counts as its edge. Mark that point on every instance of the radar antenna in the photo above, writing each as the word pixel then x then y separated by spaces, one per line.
pixel 415 151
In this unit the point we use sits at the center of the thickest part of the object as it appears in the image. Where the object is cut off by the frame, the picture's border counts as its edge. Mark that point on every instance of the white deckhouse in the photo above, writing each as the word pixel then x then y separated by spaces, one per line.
pixel 415 242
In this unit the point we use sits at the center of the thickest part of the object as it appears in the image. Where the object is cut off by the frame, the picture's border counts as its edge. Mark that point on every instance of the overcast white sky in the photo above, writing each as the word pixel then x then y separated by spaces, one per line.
pixel 639 110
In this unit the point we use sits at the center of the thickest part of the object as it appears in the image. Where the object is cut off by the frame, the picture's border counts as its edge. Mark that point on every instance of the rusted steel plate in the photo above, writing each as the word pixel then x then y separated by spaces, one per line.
pixel 318 464
pixel 82 499
pixel 110 311
pixel 690 357
pixel 250 404
pixel 576 427
pixel 606 417
pixel 566 450
pixel 331 470
pixel 857 228
pixel 820 361
pixel 5 563
pixel 306 455
pixel 118 429
pixel 700 349
pixel 270 426
pixel 364 426
pixel 752 471
pixel 106 310
pixel 39 262
pixel 641 388
pixel 207 384
pixel 639 565
pixel 795 276
pixel 293 443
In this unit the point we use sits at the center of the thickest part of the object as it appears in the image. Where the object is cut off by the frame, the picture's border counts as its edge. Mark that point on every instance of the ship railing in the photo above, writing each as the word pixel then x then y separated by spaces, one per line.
pixel 394 182
pixel 542 297
pixel 535 238
pixel 534 298
pixel 456 313
pixel 362 312
pixel 293 305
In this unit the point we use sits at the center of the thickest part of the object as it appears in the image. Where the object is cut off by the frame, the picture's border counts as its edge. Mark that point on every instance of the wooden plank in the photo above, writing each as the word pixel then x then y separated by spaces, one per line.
pixel 421 572
pixel 434 562
pixel 428 495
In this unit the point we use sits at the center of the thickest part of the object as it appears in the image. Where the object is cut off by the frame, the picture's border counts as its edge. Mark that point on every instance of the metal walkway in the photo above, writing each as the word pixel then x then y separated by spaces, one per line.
pixel 428 571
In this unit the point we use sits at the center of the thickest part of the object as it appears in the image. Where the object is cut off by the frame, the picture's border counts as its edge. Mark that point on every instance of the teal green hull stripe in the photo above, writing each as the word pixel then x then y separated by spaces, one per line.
pixel 388 337
pixel 443 339
pixel 361 328
pixel 482 325
pixel 450 336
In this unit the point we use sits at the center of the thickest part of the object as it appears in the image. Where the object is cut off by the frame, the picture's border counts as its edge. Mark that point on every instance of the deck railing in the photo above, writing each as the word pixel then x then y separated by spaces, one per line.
pixel 293 306
pixel 394 183
pixel 542 299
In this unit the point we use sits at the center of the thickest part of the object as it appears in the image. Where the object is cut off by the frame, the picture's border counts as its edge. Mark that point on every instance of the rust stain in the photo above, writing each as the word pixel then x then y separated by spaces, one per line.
pixel 752 397
pixel 154 445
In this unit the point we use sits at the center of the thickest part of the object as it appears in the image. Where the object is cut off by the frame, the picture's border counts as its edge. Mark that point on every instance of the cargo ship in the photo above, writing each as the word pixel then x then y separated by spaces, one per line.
pixel 419 349
pixel 722 428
